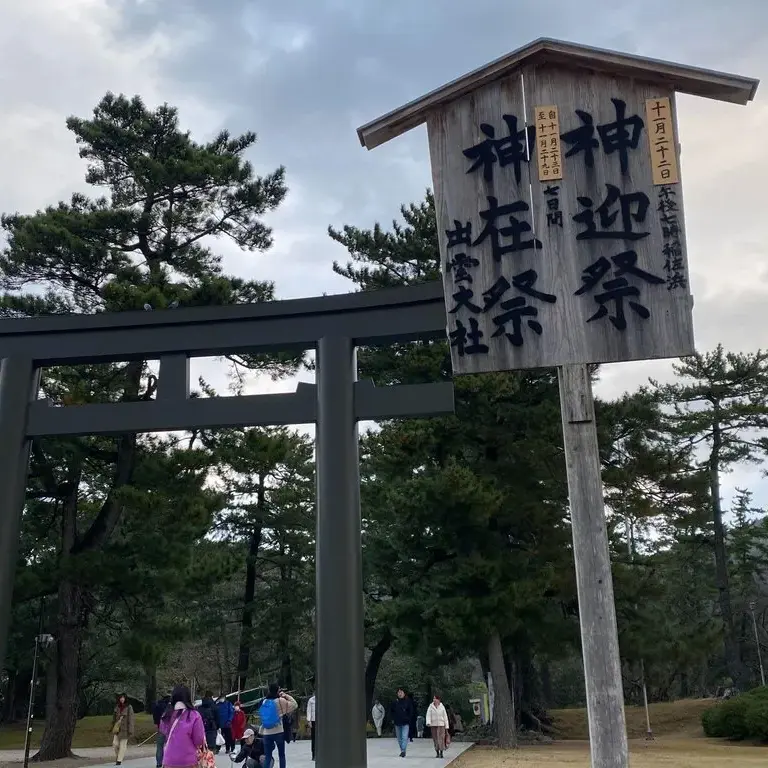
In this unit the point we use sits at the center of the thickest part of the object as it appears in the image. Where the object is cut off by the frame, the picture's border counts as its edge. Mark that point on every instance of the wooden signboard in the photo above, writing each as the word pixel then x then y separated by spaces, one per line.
pixel 559 247
pixel 562 238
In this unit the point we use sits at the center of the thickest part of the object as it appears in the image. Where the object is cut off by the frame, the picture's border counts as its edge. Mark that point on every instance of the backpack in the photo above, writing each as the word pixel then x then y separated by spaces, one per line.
pixel 209 717
pixel 268 713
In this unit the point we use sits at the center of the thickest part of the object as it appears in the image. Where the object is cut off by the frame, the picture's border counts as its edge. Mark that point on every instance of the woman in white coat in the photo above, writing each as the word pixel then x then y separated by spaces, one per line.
pixel 437 720
pixel 377 713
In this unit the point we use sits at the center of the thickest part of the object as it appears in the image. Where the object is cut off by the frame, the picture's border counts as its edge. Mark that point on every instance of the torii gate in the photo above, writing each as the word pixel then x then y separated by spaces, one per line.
pixel 334 326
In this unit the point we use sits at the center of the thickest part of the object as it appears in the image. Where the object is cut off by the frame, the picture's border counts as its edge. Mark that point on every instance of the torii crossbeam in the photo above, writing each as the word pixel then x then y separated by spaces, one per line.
pixel 332 325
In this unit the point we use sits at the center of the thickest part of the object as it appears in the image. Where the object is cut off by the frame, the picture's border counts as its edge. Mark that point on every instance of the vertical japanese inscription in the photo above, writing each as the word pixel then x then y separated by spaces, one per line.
pixel 557 259
pixel 548 152
pixel 672 250
pixel 661 141
pixel 502 308
pixel 497 304
pixel 600 229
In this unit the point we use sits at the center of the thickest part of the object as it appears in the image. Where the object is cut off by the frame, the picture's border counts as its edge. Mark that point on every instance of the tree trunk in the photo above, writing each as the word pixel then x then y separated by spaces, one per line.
pixel 249 591
pixel 286 672
pixel 372 667
pixel 56 742
pixel 9 699
pixel 50 682
pixel 150 686
pixel 503 707
pixel 482 655
pixel 226 665
pixel 546 683
pixel 731 643
pixel 59 729
pixel 15 704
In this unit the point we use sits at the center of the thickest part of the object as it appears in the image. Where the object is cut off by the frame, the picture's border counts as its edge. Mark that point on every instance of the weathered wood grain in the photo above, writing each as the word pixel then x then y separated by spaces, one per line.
pixel 668 332
pixel 567 337
pixel 462 196
pixel 594 581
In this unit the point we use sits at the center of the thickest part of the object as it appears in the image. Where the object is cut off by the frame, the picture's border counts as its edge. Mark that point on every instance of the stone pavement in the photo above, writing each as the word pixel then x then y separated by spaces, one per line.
pixel 382 753
pixel 87 753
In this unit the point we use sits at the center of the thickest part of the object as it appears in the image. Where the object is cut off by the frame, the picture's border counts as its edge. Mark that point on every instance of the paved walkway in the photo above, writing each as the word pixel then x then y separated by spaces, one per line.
pixel 382 753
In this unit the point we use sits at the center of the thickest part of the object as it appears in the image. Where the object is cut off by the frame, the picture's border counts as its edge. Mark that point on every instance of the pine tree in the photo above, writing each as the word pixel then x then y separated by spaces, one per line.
pixel 145 241
pixel 268 477
pixel 720 411
pixel 464 515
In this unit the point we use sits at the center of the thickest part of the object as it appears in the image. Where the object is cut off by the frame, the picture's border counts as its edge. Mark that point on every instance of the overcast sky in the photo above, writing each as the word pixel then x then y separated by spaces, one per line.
pixel 304 74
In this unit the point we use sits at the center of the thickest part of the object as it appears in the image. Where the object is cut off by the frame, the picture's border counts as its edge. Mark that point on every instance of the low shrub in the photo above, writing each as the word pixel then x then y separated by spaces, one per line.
pixel 743 717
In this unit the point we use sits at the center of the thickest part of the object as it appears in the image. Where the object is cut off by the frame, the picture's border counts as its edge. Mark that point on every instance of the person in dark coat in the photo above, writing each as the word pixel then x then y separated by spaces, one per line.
pixel 401 713
pixel 252 750
pixel 158 710
pixel 414 714
pixel 210 715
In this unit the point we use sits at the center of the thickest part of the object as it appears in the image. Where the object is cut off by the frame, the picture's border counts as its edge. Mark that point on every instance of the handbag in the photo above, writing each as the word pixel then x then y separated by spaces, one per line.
pixel 220 740
pixel 205 758
pixel 117 726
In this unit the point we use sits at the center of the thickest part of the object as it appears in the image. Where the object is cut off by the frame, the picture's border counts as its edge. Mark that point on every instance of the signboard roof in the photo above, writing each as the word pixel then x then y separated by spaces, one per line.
pixel 696 81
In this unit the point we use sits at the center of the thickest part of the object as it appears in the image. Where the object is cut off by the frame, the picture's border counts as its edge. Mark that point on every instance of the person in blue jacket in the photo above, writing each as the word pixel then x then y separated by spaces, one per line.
pixel 226 712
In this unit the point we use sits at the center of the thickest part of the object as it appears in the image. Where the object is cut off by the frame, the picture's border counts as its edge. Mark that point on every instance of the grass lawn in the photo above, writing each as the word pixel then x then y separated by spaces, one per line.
pixel 90 732
pixel 666 752
pixel 679 718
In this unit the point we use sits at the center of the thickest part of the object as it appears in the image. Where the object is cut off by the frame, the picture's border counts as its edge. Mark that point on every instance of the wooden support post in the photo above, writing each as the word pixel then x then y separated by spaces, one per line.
pixel 597 613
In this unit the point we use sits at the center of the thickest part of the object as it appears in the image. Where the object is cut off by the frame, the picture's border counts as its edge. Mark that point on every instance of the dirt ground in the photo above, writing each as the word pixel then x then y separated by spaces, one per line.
pixel 662 753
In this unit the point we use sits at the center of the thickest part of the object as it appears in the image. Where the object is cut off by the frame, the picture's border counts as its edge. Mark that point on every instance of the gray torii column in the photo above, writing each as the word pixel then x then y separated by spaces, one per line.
pixel 18 381
pixel 340 642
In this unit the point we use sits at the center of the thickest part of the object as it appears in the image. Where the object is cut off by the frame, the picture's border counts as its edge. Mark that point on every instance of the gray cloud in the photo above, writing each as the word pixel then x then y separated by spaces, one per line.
pixel 305 74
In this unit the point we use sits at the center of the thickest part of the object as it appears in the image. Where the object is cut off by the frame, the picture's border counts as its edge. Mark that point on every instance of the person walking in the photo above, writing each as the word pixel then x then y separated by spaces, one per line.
pixel 377 713
pixel 157 715
pixel 401 713
pixel 420 723
pixel 311 721
pixel 122 727
pixel 183 729
pixel 226 712
pixel 210 716
pixel 252 750
pixel 239 724
pixel 437 720
pixel 412 724
pixel 273 709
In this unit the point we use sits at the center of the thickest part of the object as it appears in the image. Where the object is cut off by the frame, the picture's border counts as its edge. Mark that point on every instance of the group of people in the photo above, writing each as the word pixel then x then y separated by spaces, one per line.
pixel 222 716
pixel 186 732
pixel 403 713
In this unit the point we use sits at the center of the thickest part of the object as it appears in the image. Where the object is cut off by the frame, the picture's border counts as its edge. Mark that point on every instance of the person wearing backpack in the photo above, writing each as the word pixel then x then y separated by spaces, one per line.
pixel 273 708
pixel 208 712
